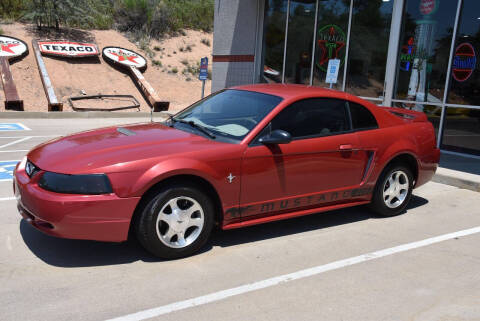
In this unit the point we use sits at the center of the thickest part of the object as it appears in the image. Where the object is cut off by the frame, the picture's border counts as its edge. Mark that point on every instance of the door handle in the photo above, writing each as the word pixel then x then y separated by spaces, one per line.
pixel 345 147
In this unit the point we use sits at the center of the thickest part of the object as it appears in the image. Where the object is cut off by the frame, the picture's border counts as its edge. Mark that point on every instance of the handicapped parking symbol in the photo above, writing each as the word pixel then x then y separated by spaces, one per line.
pixel 10 127
pixel 6 170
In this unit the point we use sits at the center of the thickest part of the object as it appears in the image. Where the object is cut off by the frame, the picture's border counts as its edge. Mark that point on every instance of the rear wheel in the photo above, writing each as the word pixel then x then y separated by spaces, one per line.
pixel 393 190
pixel 175 222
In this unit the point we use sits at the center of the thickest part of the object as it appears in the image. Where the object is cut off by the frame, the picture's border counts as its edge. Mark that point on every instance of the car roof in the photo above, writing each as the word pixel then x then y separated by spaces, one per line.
pixel 287 91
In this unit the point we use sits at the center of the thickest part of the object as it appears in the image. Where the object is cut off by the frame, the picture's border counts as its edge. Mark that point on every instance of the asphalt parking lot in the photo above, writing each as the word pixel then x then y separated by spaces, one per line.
pixel 341 265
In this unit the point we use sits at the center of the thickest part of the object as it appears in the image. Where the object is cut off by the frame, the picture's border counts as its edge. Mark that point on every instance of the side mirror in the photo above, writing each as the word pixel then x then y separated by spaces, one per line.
pixel 277 136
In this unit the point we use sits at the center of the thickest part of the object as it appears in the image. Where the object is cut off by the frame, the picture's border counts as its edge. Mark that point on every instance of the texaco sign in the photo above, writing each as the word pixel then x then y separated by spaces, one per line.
pixel 12 47
pixel 65 48
pixel 124 57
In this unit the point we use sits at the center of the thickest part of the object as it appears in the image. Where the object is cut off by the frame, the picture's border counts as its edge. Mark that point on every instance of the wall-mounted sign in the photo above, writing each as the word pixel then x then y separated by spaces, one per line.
pixel 464 62
pixel 64 48
pixel 203 75
pixel 331 41
pixel 428 6
pixel 10 48
pixel 332 71
pixel 124 57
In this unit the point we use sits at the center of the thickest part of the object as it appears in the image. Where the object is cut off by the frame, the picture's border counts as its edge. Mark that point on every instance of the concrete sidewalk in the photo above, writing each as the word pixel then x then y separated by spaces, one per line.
pixel 459 171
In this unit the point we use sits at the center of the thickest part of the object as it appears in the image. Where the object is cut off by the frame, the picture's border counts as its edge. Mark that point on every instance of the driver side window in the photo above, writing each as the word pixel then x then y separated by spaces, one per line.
pixel 313 117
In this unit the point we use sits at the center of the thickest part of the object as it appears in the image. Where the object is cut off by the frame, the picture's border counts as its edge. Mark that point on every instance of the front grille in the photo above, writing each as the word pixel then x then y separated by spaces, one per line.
pixel 31 169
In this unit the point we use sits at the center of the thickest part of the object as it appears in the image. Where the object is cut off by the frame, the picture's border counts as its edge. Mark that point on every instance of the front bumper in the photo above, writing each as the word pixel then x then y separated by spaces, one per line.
pixel 88 217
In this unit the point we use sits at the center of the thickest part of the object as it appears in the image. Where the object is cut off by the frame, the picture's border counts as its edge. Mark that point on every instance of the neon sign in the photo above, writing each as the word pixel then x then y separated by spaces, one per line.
pixel 331 39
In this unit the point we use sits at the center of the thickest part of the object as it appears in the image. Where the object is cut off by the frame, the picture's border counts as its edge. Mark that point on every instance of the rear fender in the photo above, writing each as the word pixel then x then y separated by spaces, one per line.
pixel 400 147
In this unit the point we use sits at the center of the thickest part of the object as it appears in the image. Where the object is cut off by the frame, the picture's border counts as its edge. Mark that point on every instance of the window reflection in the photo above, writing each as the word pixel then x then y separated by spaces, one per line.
pixel 369 38
pixel 274 40
pixel 465 79
pixel 331 39
pixel 299 41
pixel 424 50
pixel 461 132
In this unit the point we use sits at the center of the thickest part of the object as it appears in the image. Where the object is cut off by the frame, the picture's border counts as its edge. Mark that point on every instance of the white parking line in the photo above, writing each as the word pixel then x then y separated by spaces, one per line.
pixel 14 151
pixel 7 198
pixel 221 295
pixel 16 141
pixel 12 137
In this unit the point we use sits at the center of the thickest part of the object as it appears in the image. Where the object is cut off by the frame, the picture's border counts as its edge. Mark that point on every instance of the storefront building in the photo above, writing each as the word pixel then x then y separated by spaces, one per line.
pixel 416 54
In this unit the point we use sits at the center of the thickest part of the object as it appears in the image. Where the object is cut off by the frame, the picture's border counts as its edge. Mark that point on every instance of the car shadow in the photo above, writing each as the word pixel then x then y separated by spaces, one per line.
pixel 79 253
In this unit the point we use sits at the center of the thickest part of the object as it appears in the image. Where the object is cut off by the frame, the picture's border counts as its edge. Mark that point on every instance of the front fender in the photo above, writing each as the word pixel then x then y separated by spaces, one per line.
pixel 137 183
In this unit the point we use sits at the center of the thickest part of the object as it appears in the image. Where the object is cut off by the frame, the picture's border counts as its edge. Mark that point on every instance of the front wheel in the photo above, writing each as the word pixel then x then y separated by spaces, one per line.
pixel 176 222
pixel 393 191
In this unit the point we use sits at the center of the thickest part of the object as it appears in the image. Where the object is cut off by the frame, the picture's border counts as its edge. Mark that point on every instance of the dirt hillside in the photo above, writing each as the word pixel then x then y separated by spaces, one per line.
pixel 171 65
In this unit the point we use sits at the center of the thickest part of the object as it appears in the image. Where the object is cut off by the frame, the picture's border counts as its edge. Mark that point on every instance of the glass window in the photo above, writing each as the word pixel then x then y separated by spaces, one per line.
pixel 301 25
pixel 313 117
pixel 362 118
pixel 331 39
pixel 424 50
pixel 274 40
pixel 230 114
pixel 465 78
pixel 461 131
pixel 369 39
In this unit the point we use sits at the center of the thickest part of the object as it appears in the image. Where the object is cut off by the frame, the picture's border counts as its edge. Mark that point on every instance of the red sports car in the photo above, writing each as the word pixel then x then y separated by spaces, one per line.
pixel 242 156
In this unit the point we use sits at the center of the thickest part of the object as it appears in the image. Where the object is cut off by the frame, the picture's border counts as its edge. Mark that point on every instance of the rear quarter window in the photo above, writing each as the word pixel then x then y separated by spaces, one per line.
pixel 362 118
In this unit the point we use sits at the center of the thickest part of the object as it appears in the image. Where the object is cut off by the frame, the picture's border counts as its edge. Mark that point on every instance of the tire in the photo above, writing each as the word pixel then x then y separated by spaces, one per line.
pixel 393 191
pixel 176 221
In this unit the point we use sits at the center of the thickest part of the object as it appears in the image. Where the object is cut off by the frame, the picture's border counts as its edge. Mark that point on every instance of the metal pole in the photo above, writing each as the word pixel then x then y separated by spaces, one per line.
pixel 392 55
pixel 449 70
pixel 347 49
pixel 313 45
pixel 285 44
pixel 203 88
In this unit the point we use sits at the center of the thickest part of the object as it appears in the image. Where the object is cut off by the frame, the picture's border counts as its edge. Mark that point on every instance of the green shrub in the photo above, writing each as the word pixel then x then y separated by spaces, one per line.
pixel 206 42
pixel 13 9
pixel 157 63
pixel 175 70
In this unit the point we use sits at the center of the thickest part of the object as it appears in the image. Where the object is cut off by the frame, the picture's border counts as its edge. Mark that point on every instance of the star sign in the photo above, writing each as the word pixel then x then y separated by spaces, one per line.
pixel 6 48
pixel 122 56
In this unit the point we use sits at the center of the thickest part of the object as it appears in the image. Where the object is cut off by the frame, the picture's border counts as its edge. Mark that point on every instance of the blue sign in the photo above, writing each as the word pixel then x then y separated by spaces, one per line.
pixel 203 69
pixel 6 170
pixel 332 71
pixel 10 127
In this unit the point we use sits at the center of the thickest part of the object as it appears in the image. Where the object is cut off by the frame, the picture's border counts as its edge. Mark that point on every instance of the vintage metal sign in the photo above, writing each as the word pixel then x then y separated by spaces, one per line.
pixel 10 48
pixel 64 48
pixel 124 57
pixel 134 62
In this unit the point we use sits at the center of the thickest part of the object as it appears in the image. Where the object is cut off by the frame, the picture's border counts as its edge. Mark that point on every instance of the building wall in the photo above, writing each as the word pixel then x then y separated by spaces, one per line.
pixel 234 42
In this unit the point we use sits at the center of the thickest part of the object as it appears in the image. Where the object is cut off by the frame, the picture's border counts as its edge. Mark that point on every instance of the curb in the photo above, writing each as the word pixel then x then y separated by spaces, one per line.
pixel 457 179
pixel 86 114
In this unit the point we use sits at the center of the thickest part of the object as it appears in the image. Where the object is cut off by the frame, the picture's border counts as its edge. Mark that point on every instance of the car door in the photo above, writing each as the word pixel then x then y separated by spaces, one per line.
pixel 320 163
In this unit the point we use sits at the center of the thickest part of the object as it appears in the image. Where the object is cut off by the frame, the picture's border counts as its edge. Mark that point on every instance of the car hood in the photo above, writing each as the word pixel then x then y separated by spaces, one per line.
pixel 113 149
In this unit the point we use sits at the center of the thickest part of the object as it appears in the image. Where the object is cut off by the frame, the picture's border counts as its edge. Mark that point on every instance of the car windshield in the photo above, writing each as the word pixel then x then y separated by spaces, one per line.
pixel 228 115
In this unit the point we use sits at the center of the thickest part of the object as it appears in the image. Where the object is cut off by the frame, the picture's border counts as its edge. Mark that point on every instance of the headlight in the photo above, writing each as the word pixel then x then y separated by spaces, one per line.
pixel 75 184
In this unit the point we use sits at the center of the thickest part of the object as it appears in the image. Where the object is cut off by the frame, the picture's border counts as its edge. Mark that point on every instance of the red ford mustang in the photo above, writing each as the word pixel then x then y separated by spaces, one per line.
pixel 242 156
